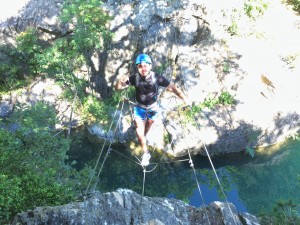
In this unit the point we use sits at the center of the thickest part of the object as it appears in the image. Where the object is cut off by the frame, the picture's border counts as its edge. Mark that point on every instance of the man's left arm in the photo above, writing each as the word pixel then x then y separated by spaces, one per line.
pixel 179 93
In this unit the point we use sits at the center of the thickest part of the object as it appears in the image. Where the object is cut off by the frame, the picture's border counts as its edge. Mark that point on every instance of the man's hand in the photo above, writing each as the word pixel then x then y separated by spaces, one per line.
pixel 187 101
pixel 122 82
pixel 180 94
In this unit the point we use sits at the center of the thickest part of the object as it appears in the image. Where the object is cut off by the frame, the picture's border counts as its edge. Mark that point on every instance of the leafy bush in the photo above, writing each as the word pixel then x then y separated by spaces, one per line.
pixel 90 24
pixel 255 8
pixel 233 29
pixel 33 163
pixel 295 4
pixel 29 48
pixel 285 212
pixel 102 110
pixel 210 102
pixel 235 16
pixel 11 70
pixel 226 98
pixel 95 110
pixel 189 114
pixel 66 54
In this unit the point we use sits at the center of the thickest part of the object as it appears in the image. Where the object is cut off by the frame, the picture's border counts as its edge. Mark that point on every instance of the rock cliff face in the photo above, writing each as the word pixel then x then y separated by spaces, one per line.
pixel 189 39
pixel 124 207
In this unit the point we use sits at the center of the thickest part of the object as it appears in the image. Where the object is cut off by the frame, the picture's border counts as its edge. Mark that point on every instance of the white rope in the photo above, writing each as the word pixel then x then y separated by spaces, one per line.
pixel 126 157
pixel 163 120
pixel 198 127
pixel 219 183
pixel 142 35
pixel 144 179
pixel 196 178
pixel 199 189
pixel 108 148
pixel 214 170
pixel 96 165
pixel 141 200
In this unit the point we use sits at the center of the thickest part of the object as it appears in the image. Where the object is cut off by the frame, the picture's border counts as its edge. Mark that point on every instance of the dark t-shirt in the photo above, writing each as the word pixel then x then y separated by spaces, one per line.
pixel 146 89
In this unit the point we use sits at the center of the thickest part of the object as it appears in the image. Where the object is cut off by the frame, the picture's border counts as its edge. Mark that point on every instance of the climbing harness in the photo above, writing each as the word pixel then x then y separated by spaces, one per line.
pixel 142 35
pixel 152 81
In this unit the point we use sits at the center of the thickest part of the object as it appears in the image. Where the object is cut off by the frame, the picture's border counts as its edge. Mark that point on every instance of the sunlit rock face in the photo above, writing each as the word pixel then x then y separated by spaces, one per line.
pixel 19 15
pixel 189 40
pixel 124 207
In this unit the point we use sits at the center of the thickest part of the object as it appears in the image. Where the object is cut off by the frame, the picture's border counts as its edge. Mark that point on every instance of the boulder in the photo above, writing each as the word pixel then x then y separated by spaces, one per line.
pixel 124 207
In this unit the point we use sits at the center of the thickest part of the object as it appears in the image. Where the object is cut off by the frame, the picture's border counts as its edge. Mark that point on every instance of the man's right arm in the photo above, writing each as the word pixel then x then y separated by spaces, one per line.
pixel 122 83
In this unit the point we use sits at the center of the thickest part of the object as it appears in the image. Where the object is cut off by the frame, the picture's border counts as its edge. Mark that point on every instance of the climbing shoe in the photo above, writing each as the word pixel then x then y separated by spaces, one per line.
pixel 145 159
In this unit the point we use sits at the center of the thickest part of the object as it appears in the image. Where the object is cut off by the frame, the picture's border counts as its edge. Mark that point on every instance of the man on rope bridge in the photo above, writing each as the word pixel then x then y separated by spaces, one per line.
pixel 146 108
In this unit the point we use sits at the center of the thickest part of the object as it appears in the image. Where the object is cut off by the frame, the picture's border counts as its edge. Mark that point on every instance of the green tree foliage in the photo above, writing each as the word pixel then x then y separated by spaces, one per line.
pixel 29 47
pixel 102 111
pixel 33 169
pixel 295 4
pixel 88 33
pixel 66 53
pixel 225 98
pixel 63 57
pixel 255 8
pixel 95 110
pixel 19 64
pixel 285 212
pixel 90 29
pixel 12 70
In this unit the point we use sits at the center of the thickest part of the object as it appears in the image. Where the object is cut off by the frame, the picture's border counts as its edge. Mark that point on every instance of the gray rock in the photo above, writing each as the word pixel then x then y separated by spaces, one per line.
pixel 5 108
pixel 124 207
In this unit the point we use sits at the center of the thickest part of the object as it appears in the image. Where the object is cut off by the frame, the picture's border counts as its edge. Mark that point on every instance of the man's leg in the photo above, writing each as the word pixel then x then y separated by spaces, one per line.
pixel 140 130
pixel 140 116
pixel 148 125
pixel 151 116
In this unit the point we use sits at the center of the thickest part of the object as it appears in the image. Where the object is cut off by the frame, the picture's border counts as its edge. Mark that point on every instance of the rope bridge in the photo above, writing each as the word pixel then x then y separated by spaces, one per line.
pixel 147 40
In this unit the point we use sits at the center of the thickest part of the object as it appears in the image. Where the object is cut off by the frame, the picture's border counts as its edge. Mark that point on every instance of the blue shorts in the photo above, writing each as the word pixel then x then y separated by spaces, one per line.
pixel 144 114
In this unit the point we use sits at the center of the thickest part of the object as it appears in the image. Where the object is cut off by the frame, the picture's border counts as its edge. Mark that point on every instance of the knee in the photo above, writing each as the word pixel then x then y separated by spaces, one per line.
pixel 135 124
pixel 150 122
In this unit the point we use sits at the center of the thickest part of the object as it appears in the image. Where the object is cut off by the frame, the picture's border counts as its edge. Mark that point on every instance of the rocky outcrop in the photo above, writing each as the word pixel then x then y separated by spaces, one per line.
pixel 42 90
pixel 34 13
pixel 188 39
pixel 124 207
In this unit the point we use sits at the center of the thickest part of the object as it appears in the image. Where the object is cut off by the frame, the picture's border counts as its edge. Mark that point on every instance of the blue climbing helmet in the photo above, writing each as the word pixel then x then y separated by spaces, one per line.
pixel 143 58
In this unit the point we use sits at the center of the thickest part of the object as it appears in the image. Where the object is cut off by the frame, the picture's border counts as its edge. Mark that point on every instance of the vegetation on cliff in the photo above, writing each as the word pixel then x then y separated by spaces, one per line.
pixel 34 166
